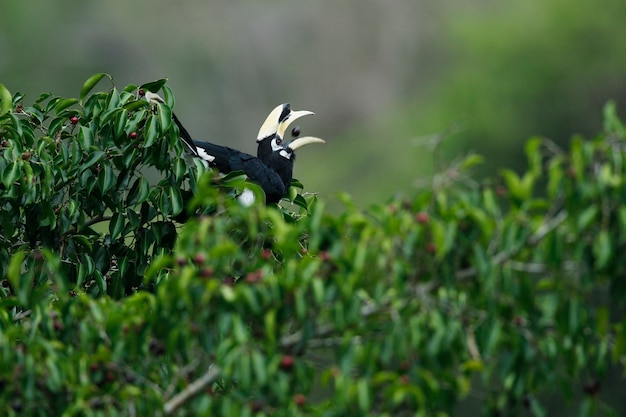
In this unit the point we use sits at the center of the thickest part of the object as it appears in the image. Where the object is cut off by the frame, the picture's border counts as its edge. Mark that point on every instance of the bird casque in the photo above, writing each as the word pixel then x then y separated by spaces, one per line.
pixel 271 169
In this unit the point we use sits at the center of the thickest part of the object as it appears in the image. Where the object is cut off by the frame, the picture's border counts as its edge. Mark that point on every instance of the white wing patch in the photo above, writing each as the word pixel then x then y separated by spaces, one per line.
pixel 286 154
pixel 204 155
pixel 246 198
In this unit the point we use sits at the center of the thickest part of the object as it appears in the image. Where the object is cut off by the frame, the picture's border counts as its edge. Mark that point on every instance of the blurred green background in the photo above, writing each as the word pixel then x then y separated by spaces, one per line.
pixel 379 74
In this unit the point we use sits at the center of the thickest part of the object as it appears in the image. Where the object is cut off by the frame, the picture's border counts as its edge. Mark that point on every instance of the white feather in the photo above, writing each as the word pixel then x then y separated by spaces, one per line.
pixel 246 198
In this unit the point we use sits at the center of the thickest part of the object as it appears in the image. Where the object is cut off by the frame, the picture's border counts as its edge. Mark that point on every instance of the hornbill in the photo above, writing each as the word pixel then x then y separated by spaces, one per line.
pixel 271 169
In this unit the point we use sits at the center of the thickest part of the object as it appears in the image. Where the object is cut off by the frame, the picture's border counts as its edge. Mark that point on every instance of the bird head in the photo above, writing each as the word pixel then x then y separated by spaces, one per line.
pixel 272 133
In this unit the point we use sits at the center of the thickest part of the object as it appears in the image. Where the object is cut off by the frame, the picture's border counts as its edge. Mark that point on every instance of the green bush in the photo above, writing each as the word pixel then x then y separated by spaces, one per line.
pixel 126 296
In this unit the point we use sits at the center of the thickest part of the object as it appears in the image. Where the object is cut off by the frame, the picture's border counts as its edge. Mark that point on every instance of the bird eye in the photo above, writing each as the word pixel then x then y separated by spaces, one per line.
pixel 278 141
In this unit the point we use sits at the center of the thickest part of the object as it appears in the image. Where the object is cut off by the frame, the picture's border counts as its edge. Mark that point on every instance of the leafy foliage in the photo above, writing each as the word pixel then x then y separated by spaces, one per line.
pixel 118 300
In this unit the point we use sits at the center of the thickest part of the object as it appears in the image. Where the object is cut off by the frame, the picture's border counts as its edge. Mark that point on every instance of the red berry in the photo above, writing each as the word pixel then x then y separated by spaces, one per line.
pixel 299 399
pixel 26 156
pixel 518 321
pixel 199 258
pixel 266 254
pixel 255 406
pixel 133 135
pixel 571 172
pixel 206 272
pixel 230 281
pixel 255 276
pixel 4 144
pixel 141 92
pixel 324 256
pixel 422 217
pixel 74 120
pixel 592 387
pixel 287 362
pixel 431 248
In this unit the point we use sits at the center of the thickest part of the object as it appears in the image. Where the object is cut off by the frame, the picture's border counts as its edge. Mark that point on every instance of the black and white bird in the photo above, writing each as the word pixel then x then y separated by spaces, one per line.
pixel 272 168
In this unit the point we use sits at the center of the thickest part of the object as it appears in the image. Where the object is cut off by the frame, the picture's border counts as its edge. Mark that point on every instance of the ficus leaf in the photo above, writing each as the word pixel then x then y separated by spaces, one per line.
pixel 154 86
pixel 5 100
pixel 90 84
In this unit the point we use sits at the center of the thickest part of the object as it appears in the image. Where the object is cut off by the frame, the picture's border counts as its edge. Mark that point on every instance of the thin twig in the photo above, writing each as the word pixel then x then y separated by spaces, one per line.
pixel 532 240
pixel 191 391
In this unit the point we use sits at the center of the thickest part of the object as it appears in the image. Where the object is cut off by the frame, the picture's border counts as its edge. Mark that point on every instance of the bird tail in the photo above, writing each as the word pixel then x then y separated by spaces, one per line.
pixel 155 99
pixel 185 136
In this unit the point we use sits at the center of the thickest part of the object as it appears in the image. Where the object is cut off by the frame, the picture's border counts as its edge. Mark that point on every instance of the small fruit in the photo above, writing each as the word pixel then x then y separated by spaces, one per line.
pixel 266 254
pixel 26 156
pixel 142 92
pixel 199 258
pixel 422 217
pixel 206 272
pixel 133 135
pixel 74 120
pixel 255 276
pixel 295 132
pixel 287 362
pixel 431 248
pixel 324 256
pixel 299 399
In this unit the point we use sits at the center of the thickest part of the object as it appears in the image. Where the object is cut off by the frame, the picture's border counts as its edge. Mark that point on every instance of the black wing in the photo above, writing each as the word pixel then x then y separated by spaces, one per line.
pixel 226 160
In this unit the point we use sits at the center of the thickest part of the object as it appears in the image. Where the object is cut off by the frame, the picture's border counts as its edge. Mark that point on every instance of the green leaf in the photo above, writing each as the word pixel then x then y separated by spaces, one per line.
pixel 168 96
pixel 64 104
pixel 139 191
pixel 94 158
pixel 154 86
pixel 300 202
pixel 176 200
pixel 612 123
pixel 85 137
pixel 602 249
pixel 152 131
pixel 5 100
pixel 120 123
pixel 533 153
pixel 165 117
pixel 116 225
pixel 233 179
pixel 136 105
pixel 90 84
pixel 586 217
pixel 106 178
pixel 471 161
pixel 11 174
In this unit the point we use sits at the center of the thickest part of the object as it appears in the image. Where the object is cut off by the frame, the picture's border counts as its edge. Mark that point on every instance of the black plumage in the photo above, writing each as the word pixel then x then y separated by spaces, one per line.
pixel 271 169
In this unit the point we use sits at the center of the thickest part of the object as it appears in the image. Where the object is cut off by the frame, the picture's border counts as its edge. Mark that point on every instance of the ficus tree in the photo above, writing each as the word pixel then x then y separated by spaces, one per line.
pixel 133 283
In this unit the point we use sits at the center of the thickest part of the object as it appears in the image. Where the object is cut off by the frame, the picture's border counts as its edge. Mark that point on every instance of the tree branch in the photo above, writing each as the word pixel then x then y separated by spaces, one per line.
pixel 193 389
pixel 505 255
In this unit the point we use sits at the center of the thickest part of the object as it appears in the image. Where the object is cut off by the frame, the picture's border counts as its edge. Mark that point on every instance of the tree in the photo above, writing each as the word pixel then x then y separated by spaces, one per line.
pixel 125 296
